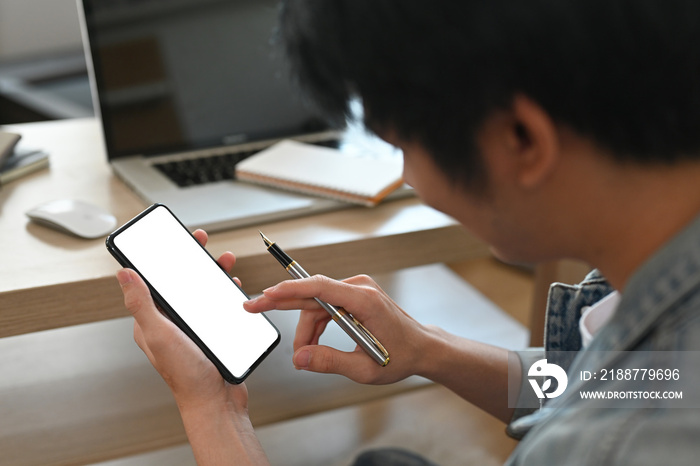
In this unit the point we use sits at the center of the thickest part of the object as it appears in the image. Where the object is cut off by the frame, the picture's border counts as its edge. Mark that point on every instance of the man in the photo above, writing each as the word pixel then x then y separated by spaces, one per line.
pixel 550 130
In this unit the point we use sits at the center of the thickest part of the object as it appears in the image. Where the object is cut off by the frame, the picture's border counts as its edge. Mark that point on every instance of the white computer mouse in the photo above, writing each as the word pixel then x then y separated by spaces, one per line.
pixel 74 217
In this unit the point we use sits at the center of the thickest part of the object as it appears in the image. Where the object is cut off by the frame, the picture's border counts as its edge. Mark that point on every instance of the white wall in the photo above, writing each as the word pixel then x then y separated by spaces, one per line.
pixel 36 27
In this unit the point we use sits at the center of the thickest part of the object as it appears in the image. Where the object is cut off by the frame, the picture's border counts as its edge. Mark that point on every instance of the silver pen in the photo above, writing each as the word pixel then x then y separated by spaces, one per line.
pixel 344 319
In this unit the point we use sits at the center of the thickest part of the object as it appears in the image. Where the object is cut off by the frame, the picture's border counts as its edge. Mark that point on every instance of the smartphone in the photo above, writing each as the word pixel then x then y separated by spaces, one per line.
pixel 194 291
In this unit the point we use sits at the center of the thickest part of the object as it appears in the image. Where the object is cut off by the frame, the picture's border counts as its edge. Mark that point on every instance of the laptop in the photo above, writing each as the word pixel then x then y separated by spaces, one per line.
pixel 185 89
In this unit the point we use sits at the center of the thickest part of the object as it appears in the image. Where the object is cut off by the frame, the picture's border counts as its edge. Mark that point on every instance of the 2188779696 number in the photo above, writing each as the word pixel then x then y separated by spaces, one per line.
pixel 639 374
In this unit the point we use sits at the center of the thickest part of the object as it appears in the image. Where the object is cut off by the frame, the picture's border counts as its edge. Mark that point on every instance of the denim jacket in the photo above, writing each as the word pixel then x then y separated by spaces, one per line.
pixel 659 314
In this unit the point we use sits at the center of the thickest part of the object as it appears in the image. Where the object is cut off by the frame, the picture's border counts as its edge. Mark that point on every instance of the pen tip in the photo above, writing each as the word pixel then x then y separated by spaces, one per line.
pixel 268 243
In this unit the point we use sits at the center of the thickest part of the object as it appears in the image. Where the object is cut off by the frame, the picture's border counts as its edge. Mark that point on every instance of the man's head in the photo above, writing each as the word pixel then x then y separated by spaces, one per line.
pixel 623 73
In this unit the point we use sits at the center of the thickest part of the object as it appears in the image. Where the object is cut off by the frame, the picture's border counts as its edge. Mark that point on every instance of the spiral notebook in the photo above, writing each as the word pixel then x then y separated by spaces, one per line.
pixel 323 171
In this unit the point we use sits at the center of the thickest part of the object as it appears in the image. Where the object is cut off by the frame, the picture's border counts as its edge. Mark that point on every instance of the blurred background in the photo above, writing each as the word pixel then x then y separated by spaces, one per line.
pixel 42 66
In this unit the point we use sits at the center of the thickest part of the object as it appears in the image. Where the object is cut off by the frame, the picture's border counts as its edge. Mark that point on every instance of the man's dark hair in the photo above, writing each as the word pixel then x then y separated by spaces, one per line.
pixel 625 73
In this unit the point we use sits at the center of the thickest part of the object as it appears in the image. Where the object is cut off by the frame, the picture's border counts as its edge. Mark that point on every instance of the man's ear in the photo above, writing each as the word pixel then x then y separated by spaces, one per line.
pixel 534 140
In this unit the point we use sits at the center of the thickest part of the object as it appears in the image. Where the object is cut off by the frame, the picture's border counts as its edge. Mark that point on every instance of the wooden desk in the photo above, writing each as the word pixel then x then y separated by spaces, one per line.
pixel 50 280
pixel 85 393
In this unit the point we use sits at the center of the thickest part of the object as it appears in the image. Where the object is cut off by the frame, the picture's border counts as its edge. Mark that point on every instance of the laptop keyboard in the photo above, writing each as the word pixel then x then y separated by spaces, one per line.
pixel 202 170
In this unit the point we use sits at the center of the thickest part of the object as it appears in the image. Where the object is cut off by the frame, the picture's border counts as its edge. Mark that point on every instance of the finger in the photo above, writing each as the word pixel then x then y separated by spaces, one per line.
pixel 339 294
pixel 310 328
pixel 227 261
pixel 354 365
pixel 263 304
pixel 138 300
pixel 201 237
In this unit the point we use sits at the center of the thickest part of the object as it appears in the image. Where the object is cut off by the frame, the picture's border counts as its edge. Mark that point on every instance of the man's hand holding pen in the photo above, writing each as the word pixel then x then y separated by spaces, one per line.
pixel 346 321
pixel 402 336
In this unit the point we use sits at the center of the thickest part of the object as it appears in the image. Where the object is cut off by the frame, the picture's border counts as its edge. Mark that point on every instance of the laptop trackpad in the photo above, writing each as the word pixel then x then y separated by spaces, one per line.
pixel 208 205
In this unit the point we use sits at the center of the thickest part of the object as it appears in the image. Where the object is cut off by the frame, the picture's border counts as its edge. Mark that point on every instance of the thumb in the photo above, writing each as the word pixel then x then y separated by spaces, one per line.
pixel 354 365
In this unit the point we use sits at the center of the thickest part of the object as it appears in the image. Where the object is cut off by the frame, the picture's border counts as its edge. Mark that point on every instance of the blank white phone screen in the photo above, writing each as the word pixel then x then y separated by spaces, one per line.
pixel 197 289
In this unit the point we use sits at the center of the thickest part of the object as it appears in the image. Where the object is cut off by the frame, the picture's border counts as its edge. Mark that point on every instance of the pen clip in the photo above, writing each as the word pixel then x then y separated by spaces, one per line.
pixel 369 335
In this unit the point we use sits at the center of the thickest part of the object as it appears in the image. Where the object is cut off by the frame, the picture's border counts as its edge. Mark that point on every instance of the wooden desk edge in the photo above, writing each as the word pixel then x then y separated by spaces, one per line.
pixel 61 305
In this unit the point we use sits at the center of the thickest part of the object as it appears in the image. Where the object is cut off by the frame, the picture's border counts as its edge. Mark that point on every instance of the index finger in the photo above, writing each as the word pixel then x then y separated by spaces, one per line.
pixel 337 293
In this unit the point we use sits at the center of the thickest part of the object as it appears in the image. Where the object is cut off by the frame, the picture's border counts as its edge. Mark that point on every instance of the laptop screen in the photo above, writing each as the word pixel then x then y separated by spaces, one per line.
pixel 176 75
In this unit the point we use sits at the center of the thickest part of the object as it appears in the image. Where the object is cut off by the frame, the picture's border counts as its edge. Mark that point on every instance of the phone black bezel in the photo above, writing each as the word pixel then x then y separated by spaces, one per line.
pixel 170 312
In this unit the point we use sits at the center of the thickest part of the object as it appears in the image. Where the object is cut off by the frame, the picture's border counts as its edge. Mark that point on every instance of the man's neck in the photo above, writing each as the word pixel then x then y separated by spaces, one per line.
pixel 643 209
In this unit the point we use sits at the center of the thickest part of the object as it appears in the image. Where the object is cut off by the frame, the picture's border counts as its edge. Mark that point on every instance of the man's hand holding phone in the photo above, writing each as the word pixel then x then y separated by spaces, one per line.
pixel 192 377
pixel 214 412
pixel 194 292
